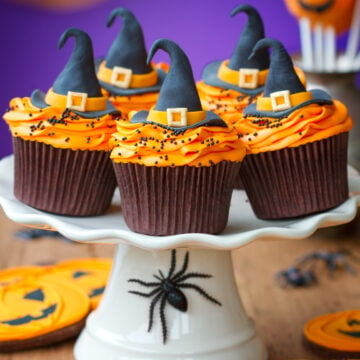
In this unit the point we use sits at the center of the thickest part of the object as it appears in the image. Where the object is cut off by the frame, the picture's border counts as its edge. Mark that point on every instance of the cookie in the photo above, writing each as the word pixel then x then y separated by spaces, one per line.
pixel 90 275
pixel 335 336
pixel 39 311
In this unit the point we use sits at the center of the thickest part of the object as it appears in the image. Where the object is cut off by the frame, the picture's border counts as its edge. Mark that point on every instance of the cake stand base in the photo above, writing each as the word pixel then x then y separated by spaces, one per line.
pixel 118 329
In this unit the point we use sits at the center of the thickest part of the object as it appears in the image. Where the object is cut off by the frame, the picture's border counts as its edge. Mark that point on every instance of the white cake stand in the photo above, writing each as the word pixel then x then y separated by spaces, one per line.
pixel 118 329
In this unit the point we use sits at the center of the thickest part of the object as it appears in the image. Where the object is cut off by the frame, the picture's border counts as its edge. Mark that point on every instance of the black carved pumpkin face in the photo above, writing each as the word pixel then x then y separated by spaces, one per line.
pixel 31 308
pixel 335 13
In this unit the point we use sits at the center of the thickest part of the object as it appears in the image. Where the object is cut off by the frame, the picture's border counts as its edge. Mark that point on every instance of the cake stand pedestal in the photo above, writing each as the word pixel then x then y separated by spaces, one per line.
pixel 118 329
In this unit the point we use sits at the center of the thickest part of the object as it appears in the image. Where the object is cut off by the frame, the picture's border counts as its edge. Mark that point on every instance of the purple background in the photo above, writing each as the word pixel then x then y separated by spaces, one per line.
pixel 203 28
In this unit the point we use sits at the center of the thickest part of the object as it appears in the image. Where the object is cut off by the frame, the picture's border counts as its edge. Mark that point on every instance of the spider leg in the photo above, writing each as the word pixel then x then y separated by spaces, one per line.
pixel 200 291
pixel 154 301
pixel 162 318
pixel 184 267
pixel 162 276
pixel 150 294
pixel 173 263
pixel 192 276
pixel 348 267
pixel 157 277
pixel 144 283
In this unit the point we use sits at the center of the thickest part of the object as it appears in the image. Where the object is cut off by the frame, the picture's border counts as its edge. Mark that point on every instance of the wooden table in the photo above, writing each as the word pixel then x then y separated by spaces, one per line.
pixel 279 313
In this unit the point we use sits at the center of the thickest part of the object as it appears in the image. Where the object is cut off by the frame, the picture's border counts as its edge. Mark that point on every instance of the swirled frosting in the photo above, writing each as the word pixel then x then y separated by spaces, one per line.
pixel 59 127
pixel 222 101
pixel 153 145
pixel 307 124
pixel 126 104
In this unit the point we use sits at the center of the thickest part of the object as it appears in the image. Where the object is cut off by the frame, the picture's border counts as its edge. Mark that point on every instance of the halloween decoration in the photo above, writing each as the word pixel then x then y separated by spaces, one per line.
pixel 332 259
pixel 91 275
pixel 169 289
pixel 66 132
pixel 39 311
pixel 334 13
pixel 334 336
pixel 295 277
pixel 175 140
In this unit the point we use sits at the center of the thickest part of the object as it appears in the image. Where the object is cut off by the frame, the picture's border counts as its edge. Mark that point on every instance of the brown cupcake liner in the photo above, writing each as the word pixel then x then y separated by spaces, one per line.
pixel 63 181
pixel 175 200
pixel 297 181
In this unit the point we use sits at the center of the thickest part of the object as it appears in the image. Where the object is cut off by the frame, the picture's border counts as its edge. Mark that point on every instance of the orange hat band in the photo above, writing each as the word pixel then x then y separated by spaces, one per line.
pixel 282 100
pixel 75 101
pixel 244 78
pixel 124 78
pixel 176 117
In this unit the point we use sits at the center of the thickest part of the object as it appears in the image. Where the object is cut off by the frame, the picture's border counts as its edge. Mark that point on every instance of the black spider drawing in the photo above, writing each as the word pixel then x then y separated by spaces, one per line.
pixel 167 289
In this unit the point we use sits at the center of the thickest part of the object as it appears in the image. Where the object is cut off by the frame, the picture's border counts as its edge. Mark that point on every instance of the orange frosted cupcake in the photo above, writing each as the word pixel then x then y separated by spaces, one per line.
pixel 228 86
pixel 176 164
pixel 61 139
pixel 297 143
pixel 127 80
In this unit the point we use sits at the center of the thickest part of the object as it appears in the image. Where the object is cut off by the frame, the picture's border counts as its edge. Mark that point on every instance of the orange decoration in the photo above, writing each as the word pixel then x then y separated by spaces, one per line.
pixel 338 332
pixel 335 13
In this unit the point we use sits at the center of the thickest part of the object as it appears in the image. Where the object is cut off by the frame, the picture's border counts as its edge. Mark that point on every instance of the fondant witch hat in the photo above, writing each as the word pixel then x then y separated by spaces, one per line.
pixel 283 92
pixel 240 73
pixel 178 106
pixel 124 71
pixel 76 87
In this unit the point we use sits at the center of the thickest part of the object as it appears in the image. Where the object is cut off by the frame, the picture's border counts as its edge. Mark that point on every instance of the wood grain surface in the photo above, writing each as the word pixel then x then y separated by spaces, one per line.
pixel 280 314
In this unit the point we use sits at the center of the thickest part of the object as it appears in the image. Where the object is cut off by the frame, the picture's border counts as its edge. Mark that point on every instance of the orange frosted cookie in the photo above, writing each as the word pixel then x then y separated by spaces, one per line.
pixel 335 335
pixel 127 80
pixel 176 164
pixel 36 312
pixel 297 144
pixel 61 139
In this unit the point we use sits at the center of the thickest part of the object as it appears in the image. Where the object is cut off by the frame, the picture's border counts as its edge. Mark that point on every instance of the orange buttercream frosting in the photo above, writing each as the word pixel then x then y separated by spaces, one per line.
pixel 339 331
pixel 221 101
pixel 36 307
pixel 307 124
pixel 59 127
pixel 127 103
pixel 153 145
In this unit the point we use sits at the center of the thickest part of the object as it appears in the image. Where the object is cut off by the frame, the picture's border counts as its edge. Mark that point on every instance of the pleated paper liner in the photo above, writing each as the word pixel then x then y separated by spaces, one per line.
pixel 63 181
pixel 297 181
pixel 175 200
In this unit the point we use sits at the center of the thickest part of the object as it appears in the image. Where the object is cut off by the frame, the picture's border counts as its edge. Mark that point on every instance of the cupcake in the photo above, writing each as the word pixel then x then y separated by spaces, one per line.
pixel 60 139
pixel 228 86
pixel 176 164
pixel 297 143
pixel 127 80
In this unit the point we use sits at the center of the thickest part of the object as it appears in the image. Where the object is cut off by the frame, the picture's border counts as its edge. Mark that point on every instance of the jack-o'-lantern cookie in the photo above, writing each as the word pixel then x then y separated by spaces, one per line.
pixel 90 275
pixel 40 311
pixel 335 335
pixel 13 275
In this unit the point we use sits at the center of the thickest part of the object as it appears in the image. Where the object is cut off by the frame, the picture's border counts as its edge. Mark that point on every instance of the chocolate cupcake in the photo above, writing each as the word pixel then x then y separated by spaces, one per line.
pixel 61 139
pixel 176 164
pixel 297 143
pixel 127 80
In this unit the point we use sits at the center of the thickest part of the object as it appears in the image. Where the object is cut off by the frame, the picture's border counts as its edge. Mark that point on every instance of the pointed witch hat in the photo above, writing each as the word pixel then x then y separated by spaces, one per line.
pixel 178 106
pixel 240 73
pixel 124 71
pixel 76 87
pixel 283 92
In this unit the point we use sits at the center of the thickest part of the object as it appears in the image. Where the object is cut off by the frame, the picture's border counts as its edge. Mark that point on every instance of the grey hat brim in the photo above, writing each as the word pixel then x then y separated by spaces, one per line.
pixel 127 92
pixel 209 76
pixel 38 100
pixel 319 97
pixel 211 119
